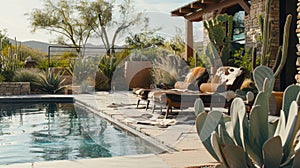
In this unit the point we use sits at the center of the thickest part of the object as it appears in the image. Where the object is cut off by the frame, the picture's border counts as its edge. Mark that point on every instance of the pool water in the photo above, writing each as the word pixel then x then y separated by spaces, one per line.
pixel 60 131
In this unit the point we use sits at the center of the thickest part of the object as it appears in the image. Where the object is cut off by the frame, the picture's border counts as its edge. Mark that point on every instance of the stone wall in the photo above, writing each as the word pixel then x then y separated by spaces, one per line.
pixel 252 29
pixel 14 88
pixel 297 76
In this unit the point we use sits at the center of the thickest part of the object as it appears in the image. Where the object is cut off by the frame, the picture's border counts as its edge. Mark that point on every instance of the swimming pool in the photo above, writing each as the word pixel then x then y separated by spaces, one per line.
pixel 32 132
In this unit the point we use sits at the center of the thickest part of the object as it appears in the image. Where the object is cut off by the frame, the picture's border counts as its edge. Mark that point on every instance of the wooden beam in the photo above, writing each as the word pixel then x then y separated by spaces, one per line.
pixel 177 13
pixel 245 5
pixel 185 6
pixel 185 10
pixel 209 1
pixel 197 5
pixel 211 8
pixel 189 8
pixel 199 19
pixel 194 11
pixel 219 11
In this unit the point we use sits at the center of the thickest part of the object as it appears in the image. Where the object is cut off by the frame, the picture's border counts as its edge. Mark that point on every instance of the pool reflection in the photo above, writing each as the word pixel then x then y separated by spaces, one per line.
pixel 60 131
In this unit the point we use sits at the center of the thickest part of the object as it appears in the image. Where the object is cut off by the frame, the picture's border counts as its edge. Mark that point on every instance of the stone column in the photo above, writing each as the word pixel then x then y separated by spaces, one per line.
pixel 297 76
pixel 189 46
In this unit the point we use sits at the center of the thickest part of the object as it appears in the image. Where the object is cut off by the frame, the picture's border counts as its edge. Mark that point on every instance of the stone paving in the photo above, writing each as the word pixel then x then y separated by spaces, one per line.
pixel 180 138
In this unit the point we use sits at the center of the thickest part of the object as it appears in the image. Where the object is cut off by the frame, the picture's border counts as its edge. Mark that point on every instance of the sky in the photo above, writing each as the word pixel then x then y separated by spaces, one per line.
pixel 14 20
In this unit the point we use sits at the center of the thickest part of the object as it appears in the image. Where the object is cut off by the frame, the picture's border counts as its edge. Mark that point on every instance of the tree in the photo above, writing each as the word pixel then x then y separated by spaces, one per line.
pixel 79 20
pixel 3 40
pixel 126 19
pixel 144 40
pixel 176 43
pixel 61 18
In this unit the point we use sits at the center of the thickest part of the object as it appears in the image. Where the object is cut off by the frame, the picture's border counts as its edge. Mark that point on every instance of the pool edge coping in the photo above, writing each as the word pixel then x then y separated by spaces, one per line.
pixel 126 127
pixel 37 98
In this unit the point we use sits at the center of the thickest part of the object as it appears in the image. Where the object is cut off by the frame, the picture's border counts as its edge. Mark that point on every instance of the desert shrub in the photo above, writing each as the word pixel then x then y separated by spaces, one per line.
pixel 169 69
pixel 199 60
pixel 8 75
pixel 108 65
pixel 27 75
pixel 2 78
pixel 243 58
pixel 163 77
pixel 44 65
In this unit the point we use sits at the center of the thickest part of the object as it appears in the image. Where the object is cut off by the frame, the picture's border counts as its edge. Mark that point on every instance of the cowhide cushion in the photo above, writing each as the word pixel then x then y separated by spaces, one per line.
pixel 197 76
pixel 185 85
pixel 227 75
pixel 193 79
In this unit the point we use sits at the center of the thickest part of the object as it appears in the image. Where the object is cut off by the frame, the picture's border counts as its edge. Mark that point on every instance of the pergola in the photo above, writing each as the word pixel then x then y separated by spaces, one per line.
pixel 194 12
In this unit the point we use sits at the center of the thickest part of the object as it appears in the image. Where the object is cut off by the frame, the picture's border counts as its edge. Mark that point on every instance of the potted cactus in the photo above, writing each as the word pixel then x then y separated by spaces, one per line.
pixel 235 141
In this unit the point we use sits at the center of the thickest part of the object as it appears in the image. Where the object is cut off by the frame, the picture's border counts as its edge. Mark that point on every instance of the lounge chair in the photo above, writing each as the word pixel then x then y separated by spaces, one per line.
pixel 192 81
pixel 217 93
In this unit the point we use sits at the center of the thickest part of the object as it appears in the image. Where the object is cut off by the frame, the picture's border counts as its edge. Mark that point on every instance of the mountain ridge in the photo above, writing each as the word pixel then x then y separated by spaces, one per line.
pixel 43 46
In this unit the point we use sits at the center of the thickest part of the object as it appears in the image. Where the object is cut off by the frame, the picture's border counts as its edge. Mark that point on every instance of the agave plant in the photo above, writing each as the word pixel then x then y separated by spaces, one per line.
pixel 235 141
pixel 49 82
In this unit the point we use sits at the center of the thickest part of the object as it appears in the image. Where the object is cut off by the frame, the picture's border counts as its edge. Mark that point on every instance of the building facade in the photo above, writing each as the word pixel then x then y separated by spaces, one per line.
pixel 195 11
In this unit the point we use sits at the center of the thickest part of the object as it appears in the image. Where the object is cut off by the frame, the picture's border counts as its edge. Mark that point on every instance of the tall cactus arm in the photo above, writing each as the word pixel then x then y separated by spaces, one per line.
pixel 278 58
pixel 266 29
pixel 286 35
pixel 260 23
pixel 229 28
pixel 254 56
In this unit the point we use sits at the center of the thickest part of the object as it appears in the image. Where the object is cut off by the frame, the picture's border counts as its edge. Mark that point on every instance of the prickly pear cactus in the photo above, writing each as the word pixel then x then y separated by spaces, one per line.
pixel 239 142
pixel 198 107
pixel 291 94
pixel 260 74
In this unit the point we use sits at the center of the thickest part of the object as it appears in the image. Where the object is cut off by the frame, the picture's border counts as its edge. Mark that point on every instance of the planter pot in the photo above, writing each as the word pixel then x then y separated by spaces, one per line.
pixel 276 103
pixel 102 82
pixel 138 74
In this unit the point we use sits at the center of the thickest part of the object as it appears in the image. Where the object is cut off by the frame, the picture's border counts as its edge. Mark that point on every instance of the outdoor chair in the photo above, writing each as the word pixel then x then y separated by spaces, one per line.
pixel 192 81
pixel 219 92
